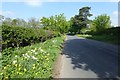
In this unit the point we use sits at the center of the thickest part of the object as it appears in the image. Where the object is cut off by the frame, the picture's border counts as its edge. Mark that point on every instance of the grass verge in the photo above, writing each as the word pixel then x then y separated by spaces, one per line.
pixel 35 61
pixel 104 38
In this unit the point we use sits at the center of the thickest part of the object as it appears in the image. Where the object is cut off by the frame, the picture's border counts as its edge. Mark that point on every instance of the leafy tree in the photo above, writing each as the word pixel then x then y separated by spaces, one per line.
pixel 101 22
pixel 7 21
pixel 81 20
pixel 14 22
pixel 33 22
pixel 55 23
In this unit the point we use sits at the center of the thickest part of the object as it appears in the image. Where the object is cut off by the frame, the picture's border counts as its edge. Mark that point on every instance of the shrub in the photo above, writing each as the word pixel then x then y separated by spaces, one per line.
pixel 20 36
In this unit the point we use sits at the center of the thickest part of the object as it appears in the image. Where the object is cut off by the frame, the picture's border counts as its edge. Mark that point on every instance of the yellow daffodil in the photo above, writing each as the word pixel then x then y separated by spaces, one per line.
pixel 4 67
pixel 19 69
pixel 33 67
pixel 15 65
pixel 25 70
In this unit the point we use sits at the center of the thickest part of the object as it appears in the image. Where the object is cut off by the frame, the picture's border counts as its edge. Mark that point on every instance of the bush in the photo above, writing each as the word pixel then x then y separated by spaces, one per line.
pixel 114 31
pixel 20 36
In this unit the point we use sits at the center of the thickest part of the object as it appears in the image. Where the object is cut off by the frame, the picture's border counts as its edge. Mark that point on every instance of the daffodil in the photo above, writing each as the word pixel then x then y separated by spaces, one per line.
pixel 19 69
pixel 1 73
pixel 33 57
pixel 8 65
pixel 25 70
pixel 36 73
pixel 33 67
pixel 16 65
pixel 14 61
pixel 4 67
pixel 6 77
pixel 47 58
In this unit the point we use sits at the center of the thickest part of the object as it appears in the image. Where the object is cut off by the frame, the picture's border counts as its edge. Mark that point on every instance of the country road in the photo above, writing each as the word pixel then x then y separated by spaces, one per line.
pixel 85 58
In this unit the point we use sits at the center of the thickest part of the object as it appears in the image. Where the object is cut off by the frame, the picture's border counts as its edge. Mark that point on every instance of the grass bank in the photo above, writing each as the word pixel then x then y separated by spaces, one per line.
pixel 35 61
pixel 104 38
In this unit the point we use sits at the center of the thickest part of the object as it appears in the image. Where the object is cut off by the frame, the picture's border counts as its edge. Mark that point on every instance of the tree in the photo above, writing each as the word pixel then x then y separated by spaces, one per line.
pixel 81 20
pixel 55 23
pixel 101 22
pixel 14 22
pixel 7 21
pixel 33 22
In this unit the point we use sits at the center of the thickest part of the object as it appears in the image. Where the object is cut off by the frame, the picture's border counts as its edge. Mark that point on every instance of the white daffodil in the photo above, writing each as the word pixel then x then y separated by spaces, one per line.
pixel 27 55
pixel 15 55
pixel 14 61
pixel 36 52
pixel 33 57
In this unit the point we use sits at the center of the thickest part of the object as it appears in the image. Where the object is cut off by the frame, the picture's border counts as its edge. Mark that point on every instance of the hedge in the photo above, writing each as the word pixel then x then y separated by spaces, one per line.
pixel 20 36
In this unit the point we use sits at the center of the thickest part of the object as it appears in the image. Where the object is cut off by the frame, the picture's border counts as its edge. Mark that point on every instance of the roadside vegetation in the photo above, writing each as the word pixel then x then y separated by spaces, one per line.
pixel 35 61
pixel 29 49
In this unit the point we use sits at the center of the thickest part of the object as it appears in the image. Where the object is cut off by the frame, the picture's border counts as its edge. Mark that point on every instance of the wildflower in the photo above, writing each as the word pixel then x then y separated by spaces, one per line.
pixel 6 77
pixel 53 41
pixel 48 54
pixel 1 73
pixel 14 61
pixel 25 70
pixel 33 67
pixel 34 57
pixel 32 50
pixel 15 55
pixel 8 65
pixel 4 67
pixel 16 65
pixel 20 73
pixel 41 49
pixel 27 55
pixel 36 73
pixel 36 52
pixel 47 58
pixel 19 69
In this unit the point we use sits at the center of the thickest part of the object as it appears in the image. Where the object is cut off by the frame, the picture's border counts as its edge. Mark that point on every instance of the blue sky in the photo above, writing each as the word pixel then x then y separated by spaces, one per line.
pixel 26 10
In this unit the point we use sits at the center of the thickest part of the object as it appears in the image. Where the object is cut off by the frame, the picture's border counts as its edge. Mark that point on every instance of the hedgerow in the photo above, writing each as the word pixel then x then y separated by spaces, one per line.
pixel 20 36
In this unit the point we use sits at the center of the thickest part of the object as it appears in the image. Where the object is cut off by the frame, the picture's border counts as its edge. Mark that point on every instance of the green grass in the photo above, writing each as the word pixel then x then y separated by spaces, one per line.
pixel 104 38
pixel 35 61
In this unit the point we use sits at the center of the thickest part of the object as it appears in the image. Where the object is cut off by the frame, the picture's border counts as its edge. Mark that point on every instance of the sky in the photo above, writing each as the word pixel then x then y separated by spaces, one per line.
pixel 38 9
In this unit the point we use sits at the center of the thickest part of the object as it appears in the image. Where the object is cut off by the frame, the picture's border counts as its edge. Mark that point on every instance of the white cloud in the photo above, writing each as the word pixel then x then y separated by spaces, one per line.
pixel 33 2
pixel 6 13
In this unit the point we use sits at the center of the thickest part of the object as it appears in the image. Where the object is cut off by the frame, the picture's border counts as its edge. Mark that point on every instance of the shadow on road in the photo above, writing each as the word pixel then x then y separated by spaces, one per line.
pixel 89 56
